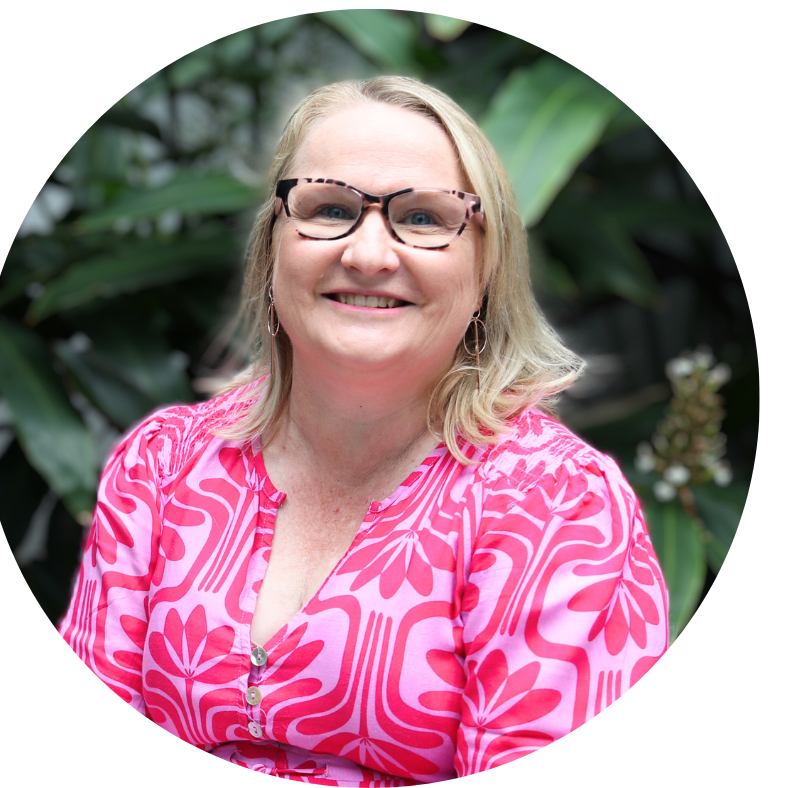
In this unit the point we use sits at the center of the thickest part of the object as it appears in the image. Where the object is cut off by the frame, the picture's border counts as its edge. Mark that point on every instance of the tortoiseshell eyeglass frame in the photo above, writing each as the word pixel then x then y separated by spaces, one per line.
pixel 473 207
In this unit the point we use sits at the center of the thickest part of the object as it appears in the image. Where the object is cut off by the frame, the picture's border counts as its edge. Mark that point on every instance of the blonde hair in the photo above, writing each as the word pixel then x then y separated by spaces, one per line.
pixel 524 362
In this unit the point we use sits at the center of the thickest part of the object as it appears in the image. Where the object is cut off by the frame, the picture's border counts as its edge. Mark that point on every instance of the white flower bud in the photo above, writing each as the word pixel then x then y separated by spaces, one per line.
pixel 723 475
pixel 663 491
pixel 645 449
pixel 676 475
pixel 720 375
pixel 703 357
pixel 679 368
pixel 645 463
pixel 707 460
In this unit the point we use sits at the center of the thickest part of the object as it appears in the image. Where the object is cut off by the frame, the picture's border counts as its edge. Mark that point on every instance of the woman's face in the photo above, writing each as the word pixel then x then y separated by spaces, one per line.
pixel 379 149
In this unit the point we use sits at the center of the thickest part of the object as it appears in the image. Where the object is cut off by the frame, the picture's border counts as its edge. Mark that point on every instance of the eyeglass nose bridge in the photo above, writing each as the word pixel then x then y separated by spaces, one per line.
pixel 374 201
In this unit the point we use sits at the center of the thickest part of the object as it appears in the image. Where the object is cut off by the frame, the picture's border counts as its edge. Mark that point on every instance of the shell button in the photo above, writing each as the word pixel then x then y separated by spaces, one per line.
pixel 255 730
pixel 259 656
pixel 253 696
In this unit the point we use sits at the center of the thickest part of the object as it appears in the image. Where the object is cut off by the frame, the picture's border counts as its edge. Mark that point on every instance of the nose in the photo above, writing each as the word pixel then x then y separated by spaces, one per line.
pixel 371 248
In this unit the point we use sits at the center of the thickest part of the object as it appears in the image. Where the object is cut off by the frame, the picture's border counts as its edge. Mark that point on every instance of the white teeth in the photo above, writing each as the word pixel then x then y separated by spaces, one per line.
pixel 376 302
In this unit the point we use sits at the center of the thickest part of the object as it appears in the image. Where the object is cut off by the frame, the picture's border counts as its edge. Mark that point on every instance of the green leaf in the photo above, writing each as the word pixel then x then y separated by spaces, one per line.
pixel 548 273
pixel 127 370
pixel 635 213
pixel 121 403
pixel 142 265
pixel 142 358
pixel 188 193
pixel 677 541
pixel 623 121
pixel 51 578
pixel 192 68
pixel 127 119
pixel 601 256
pixel 21 491
pixel 234 50
pixel 445 28
pixel 31 260
pixel 385 37
pixel 278 30
pixel 544 121
pixel 720 508
pixel 54 438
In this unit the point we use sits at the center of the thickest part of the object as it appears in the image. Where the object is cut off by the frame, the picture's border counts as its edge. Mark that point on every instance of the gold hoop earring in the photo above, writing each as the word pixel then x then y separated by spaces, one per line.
pixel 476 322
pixel 273 325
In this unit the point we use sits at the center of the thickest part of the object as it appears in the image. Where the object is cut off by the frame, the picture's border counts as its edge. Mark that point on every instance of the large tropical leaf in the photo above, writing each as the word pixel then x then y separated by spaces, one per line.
pixel 127 119
pixel 677 541
pixel 126 369
pixel 385 37
pixel 140 265
pixel 636 212
pixel 54 438
pixel 21 491
pixel 189 193
pixel 445 28
pixel 544 121
pixel 49 569
pixel 123 404
pixel 600 255
pixel 720 509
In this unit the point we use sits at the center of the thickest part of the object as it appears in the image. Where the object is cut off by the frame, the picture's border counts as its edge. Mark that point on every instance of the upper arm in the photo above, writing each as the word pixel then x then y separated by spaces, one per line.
pixel 106 622
pixel 565 609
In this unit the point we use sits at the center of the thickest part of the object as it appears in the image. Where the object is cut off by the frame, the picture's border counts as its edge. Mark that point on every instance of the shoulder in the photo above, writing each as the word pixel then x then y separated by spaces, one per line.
pixel 541 457
pixel 168 437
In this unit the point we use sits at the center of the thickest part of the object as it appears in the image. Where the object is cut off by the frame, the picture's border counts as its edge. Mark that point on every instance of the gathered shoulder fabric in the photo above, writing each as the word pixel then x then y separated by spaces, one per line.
pixel 482 611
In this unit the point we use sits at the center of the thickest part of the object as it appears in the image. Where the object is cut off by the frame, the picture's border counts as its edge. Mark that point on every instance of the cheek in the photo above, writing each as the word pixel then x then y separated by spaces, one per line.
pixel 290 268
pixel 276 243
pixel 468 277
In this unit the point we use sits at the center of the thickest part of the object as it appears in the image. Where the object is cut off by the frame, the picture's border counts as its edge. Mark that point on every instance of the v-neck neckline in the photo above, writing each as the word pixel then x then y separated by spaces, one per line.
pixel 277 497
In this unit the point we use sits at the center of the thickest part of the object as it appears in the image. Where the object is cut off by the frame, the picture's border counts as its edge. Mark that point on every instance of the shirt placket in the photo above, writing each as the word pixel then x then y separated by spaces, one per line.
pixel 253 695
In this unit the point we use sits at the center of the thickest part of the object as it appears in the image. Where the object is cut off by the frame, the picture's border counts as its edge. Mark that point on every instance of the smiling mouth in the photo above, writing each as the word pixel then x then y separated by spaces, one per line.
pixel 374 302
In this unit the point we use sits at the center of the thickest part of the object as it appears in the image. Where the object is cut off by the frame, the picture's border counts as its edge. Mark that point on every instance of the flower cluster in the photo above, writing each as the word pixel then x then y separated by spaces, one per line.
pixel 688 445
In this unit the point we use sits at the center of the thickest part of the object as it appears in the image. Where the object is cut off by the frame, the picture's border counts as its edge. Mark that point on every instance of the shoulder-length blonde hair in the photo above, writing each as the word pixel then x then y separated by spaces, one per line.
pixel 524 362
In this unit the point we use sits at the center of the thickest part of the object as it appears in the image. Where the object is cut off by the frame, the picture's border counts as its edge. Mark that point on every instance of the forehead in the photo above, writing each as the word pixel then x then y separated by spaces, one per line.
pixel 379 148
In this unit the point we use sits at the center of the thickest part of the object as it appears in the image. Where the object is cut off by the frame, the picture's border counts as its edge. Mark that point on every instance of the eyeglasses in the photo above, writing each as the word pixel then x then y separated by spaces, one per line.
pixel 325 210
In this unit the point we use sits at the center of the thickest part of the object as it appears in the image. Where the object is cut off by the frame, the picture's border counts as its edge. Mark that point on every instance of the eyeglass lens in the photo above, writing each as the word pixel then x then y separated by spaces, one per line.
pixel 421 218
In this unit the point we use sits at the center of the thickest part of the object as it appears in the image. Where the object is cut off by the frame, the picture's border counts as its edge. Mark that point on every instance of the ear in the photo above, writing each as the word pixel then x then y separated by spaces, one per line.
pixel 278 206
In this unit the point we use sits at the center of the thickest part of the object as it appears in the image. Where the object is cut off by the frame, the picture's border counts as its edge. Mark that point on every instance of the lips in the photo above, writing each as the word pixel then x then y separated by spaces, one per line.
pixel 373 302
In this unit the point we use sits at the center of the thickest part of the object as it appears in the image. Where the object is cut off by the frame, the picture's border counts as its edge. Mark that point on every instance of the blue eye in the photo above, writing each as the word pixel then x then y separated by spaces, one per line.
pixel 419 219
pixel 335 212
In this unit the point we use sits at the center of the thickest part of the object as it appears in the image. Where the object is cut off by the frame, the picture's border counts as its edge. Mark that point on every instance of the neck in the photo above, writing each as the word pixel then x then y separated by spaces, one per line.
pixel 358 426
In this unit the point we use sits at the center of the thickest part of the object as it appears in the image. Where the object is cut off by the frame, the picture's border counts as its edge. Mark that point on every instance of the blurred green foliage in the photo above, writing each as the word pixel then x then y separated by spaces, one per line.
pixel 128 265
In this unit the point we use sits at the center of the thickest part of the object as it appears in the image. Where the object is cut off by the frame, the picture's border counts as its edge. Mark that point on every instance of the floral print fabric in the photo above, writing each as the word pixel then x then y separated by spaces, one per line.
pixel 481 612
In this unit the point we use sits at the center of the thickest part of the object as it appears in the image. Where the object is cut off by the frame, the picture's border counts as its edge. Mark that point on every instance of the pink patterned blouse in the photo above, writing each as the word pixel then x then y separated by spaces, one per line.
pixel 481 612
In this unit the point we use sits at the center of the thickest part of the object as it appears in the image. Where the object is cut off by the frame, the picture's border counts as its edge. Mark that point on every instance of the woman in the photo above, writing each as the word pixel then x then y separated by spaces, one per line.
pixel 381 563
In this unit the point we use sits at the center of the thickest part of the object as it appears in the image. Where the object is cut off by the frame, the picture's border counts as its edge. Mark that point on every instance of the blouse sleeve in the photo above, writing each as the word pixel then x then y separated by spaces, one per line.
pixel 565 609
pixel 106 622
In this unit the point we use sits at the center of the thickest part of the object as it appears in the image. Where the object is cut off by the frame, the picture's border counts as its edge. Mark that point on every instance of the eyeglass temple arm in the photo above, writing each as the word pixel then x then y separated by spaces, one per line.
pixel 282 190
pixel 479 211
